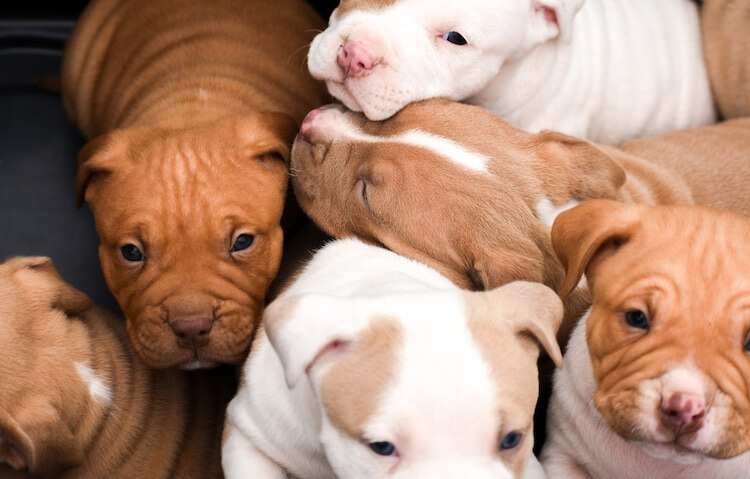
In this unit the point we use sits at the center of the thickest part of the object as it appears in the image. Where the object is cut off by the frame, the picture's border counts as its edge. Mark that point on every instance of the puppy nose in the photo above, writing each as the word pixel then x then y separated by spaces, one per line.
pixel 356 58
pixel 307 124
pixel 683 413
pixel 192 333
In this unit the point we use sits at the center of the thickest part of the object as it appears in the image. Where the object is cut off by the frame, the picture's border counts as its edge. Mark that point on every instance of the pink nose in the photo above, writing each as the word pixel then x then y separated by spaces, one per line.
pixel 683 413
pixel 307 123
pixel 356 59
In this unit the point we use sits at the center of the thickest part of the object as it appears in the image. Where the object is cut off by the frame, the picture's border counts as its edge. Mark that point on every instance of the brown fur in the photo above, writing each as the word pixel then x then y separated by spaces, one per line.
pixel 196 104
pixel 687 269
pixel 162 423
pixel 726 44
pixel 481 230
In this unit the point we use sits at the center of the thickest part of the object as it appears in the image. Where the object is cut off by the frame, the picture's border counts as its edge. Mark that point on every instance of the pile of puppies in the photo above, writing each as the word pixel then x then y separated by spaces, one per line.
pixel 377 359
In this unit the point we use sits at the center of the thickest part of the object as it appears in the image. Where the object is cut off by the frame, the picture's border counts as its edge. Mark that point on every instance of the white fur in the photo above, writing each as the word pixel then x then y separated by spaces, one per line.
pixel 613 70
pixel 547 211
pixel 97 388
pixel 272 428
pixel 580 444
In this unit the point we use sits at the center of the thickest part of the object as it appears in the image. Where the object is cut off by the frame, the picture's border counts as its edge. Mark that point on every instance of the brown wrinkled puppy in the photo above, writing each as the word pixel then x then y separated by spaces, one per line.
pixel 726 43
pixel 75 401
pixel 457 188
pixel 196 104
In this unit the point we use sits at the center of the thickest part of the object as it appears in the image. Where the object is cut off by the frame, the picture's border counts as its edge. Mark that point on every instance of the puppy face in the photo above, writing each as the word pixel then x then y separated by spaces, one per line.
pixel 668 332
pixel 378 56
pixel 388 387
pixel 449 185
pixel 190 239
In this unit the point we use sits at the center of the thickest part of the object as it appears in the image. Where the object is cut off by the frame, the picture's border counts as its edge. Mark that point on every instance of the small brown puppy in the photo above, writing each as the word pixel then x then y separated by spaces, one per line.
pixel 726 45
pixel 76 403
pixel 457 188
pixel 201 101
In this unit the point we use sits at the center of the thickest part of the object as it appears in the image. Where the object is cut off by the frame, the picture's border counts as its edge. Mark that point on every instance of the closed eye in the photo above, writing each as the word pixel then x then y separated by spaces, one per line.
pixel 361 189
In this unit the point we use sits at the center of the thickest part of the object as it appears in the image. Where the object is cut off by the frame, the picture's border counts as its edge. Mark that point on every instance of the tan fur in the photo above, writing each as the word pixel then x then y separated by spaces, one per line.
pixel 196 104
pixel 726 45
pixel 162 423
pixel 352 388
pixel 686 268
pixel 481 230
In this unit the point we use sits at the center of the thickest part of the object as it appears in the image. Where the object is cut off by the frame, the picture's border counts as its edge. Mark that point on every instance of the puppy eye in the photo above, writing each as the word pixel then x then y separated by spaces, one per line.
pixel 454 37
pixel 637 319
pixel 383 448
pixel 361 188
pixel 131 253
pixel 747 344
pixel 243 241
pixel 511 440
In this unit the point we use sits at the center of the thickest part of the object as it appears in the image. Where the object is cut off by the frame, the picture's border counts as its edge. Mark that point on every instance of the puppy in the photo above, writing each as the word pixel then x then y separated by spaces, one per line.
pixel 76 403
pixel 657 374
pixel 373 365
pixel 196 105
pixel 606 70
pixel 457 188
pixel 726 43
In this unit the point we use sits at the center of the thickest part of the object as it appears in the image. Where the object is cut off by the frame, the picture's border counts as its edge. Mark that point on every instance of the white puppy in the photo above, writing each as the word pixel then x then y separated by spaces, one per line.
pixel 605 70
pixel 372 365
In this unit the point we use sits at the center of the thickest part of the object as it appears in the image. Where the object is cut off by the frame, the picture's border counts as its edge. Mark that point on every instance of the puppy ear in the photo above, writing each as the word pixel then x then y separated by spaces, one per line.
pixel 575 168
pixel 38 440
pixel 553 18
pixel 96 160
pixel 533 311
pixel 39 275
pixel 268 135
pixel 591 231
pixel 305 329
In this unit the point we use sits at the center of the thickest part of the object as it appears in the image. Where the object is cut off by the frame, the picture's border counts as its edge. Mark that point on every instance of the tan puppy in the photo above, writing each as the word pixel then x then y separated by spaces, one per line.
pixel 76 403
pixel 457 188
pixel 188 190
pixel 726 44
pixel 656 377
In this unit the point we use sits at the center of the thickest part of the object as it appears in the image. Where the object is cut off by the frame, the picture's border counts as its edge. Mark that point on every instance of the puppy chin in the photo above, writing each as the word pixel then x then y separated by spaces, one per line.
pixel 670 452
pixel 339 91
pixel 198 364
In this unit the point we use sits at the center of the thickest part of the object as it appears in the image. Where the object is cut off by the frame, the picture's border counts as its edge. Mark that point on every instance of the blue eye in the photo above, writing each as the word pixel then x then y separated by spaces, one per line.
pixel 637 319
pixel 383 448
pixel 511 440
pixel 243 241
pixel 455 37
pixel 131 253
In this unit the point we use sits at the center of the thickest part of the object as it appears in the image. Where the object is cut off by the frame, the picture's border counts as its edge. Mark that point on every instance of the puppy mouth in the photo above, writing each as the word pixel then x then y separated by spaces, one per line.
pixel 341 91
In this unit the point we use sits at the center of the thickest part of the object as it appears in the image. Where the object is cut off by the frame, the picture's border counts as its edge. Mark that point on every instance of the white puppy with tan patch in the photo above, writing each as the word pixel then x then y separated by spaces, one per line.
pixel 372 365
pixel 605 70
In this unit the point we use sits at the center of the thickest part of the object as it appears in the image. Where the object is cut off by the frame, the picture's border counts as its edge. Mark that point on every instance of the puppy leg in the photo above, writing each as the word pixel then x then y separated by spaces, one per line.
pixel 241 459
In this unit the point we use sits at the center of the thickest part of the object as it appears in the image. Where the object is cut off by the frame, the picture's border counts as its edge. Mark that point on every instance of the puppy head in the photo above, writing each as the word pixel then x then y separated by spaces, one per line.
pixel 188 222
pixel 668 332
pixel 45 377
pixel 378 56
pixel 421 384
pixel 449 185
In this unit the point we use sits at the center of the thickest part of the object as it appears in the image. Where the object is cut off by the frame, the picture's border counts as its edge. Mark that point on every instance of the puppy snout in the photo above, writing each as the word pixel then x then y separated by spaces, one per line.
pixel 683 413
pixel 192 332
pixel 308 123
pixel 357 58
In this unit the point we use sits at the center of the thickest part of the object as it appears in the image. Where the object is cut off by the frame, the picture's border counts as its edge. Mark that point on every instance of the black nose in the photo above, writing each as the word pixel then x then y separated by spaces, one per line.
pixel 193 332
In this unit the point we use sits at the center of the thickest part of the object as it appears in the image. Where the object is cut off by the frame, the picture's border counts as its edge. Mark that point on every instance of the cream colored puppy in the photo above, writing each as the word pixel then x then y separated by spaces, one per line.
pixel 372 365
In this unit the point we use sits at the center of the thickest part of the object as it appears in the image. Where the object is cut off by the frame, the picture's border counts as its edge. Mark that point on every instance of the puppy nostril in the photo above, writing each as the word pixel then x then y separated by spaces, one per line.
pixel 192 332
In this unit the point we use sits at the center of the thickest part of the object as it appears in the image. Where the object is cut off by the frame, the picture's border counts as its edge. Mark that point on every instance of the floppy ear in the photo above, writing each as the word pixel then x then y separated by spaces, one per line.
pixel 533 311
pixel 592 230
pixel 553 18
pixel 39 275
pixel 95 161
pixel 268 135
pixel 305 329
pixel 575 168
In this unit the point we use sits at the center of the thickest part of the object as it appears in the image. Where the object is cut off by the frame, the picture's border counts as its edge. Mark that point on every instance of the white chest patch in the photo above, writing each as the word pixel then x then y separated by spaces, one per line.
pixel 98 390
pixel 547 212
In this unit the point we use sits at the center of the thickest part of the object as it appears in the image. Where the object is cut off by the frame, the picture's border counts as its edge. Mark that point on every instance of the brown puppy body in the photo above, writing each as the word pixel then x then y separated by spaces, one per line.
pixel 196 104
pixel 76 403
pixel 726 45
pixel 457 188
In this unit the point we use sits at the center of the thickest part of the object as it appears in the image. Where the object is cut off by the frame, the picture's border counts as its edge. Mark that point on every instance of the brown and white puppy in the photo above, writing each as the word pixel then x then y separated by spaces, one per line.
pixel 726 45
pixel 196 104
pixel 75 401
pixel 656 377
pixel 459 189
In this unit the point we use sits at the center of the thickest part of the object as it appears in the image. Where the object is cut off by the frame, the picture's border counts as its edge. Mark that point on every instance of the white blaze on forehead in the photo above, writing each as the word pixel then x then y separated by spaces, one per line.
pixel 334 124
pixel 97 388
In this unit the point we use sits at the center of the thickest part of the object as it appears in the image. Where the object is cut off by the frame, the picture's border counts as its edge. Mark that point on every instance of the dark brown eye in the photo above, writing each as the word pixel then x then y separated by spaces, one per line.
pixel 131 253
pixel 637 319
pixel 747 344
pixel 455 38
pixel 243 241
